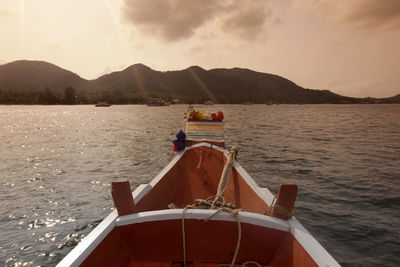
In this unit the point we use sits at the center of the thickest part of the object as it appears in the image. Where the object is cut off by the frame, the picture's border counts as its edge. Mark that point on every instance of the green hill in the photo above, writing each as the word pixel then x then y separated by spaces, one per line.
pixel 25 75
pixel 138 82
pixel 197 85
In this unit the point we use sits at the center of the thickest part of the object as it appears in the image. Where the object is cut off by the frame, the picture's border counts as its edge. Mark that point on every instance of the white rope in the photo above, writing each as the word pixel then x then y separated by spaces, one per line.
pixel 225 172
pixel 184 237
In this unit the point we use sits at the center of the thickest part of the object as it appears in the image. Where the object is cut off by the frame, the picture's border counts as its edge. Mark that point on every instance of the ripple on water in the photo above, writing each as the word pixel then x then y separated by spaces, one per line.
pixel 55 175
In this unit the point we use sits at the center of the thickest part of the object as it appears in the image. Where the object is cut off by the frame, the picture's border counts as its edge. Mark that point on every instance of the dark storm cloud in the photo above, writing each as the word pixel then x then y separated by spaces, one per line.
pixel 173 20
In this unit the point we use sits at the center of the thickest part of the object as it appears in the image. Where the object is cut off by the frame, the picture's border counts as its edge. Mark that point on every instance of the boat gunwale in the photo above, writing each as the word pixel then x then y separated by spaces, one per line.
pixel 203 214
pixel 86 246
pixel 316 251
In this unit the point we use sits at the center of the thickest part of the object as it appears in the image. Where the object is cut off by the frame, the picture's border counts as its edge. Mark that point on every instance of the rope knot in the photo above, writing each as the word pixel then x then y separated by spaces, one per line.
pixel 279 209
pixel 235 212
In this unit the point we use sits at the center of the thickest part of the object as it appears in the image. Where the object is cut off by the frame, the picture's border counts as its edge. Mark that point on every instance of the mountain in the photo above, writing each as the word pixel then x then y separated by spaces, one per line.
pixel 136 79
pixel 388 100
pixel 197 85
pixel 25 75
pixel 194 85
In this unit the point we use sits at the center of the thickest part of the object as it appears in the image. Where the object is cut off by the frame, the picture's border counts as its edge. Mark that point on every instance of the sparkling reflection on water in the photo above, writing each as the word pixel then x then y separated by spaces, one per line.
pixel 57 163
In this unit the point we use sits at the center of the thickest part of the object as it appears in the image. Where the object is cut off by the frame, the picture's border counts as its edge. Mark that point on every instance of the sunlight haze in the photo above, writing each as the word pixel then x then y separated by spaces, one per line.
pixel 348 47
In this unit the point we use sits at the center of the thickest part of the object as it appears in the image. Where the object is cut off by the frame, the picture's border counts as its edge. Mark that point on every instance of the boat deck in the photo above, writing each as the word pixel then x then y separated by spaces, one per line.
pixel 196 176
pixel 156 239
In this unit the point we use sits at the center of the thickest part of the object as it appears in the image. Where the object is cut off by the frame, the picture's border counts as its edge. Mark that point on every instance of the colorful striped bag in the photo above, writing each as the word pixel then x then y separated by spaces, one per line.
pixel 205 131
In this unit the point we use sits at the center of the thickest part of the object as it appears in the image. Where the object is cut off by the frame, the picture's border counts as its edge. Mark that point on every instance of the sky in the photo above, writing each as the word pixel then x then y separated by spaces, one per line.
pixel 349 47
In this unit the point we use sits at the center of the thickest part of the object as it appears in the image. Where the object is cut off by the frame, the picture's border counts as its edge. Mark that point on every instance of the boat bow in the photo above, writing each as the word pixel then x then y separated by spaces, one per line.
pixel 152 234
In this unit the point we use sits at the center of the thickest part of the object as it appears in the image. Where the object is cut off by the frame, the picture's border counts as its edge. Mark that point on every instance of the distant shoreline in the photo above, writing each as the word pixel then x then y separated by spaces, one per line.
pixel 39 82
pixel 184 104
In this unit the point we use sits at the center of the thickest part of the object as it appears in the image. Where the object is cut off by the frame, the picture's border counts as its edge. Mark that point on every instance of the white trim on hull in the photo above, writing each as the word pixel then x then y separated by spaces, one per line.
pixel 90 242
pixel 198 214
pixel 311 245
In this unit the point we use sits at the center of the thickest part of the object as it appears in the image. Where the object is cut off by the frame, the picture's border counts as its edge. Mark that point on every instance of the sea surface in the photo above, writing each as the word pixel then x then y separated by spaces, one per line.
pixel 57 163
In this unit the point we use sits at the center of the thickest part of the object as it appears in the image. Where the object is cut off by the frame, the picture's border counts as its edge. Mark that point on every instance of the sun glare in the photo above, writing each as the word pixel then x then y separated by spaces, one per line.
pixel 22 18
pixel 117 28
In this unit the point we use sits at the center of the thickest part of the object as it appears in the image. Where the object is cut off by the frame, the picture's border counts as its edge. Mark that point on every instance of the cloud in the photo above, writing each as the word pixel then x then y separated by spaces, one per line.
pixel 361 14
pixel 173 20
pixel 277 22
pixel 246 18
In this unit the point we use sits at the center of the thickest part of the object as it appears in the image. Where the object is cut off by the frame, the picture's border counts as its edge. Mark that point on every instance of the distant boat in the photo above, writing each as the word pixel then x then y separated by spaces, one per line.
pixel 102 104
pixel 157 102
pixel 175 101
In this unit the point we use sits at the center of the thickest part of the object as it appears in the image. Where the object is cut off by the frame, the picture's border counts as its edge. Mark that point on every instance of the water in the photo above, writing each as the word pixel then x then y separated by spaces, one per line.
pixel 57 163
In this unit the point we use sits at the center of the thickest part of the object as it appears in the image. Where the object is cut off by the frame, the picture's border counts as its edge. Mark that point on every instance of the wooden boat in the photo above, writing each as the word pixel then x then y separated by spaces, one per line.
pixel 170 222
pixel 157 102
pixel 102 104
